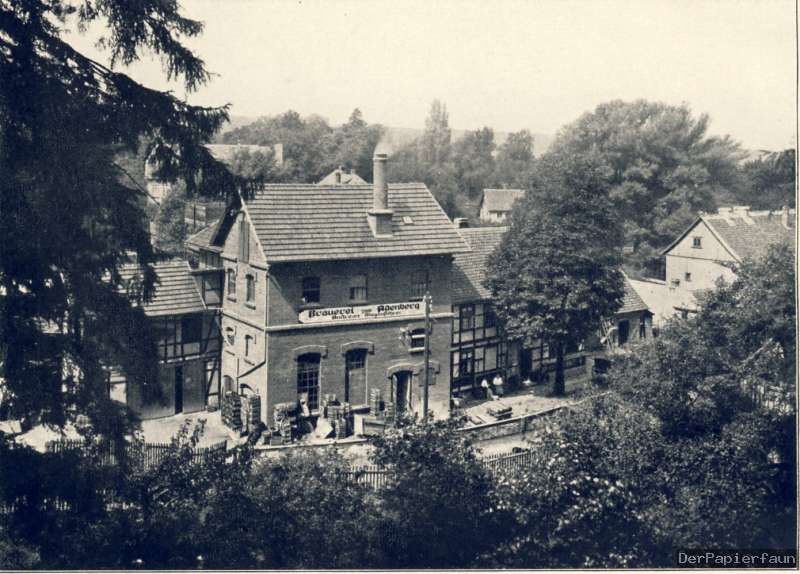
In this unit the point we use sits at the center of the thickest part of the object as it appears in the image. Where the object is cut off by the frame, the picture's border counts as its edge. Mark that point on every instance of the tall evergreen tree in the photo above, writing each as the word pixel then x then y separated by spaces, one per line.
pixel 555 275
pixel 67 220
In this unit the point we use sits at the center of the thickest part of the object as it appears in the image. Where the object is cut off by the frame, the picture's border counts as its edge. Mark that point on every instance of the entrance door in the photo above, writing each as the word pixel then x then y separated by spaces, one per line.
pixel 402 391
pixel 178 389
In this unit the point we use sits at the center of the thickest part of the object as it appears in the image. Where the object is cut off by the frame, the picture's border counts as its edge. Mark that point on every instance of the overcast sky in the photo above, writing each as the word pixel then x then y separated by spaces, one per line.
pixel 535 64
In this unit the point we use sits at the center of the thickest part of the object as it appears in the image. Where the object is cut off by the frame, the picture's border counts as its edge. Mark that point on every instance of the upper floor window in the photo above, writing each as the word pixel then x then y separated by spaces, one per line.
pixel 697 242
pixel 467 317
pixel 358 288
pixel 191 328
pixel 311 290
pixel 489 318
pixel 418 339
pixel 232 283
pixel 244 239
pixel 420 284
pixel 251 289
pixel 687 276
pixel 248 345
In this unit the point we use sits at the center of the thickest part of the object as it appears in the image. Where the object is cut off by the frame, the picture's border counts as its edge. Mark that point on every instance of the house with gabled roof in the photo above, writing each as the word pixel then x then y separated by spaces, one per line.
pixel 188 342
pixel 323 288
pixel 342 176
pixel 496 204
pixel 479 347
pixel 714 244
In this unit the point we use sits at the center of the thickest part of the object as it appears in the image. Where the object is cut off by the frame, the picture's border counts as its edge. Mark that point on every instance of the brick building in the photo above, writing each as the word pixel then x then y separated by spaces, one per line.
pixel 188 345
pixel 319 282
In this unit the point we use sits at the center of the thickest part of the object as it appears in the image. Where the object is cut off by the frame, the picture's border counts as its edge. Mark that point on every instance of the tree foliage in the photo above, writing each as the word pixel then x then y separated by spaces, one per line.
pixel 438 493
pixel 556 275
pixel 770 181
pixel 67 220
pixel 311 147
pixel 664 169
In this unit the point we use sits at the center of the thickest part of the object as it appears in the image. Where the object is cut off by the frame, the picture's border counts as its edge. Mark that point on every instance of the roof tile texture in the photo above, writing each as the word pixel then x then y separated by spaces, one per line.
pixel 307 222
pixel 750 240
pixel 500 199
pixel 175 292
pixel 469 269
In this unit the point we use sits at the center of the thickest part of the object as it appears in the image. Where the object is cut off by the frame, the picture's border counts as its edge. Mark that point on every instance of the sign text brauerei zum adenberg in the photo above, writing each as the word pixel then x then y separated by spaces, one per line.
pixel 362 312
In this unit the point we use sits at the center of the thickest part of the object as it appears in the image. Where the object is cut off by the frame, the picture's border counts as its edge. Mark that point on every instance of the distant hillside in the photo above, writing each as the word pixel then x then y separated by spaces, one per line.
pixel 397 136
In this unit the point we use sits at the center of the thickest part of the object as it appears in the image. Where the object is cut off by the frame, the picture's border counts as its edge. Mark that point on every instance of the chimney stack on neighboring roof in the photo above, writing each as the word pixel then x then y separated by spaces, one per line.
pixel 743 211
pixel 380 216
pixel 338 175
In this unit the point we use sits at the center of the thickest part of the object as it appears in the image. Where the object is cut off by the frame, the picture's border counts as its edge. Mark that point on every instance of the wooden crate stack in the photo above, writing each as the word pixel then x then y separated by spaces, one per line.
pixel 375 401
pixel 232 411
pixel 251 412
pixel 285 422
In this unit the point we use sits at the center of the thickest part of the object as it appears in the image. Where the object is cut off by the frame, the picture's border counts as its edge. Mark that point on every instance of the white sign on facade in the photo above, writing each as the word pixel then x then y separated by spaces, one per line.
pixel 362 312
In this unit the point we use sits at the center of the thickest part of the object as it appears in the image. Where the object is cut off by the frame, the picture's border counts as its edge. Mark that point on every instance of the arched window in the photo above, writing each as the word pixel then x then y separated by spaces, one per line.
pixel 231 283
pixel 308 378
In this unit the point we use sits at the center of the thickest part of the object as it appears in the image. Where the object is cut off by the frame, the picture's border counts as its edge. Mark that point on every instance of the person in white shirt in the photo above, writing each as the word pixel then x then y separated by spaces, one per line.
pixel 487 389
pixel 497 383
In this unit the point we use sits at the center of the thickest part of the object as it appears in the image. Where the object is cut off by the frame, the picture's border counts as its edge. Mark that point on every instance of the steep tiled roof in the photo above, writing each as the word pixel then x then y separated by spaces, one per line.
pixel 202 239
pixel 307 222
pixel 175 293
pixel 469 268
pixel 631 301
pixel 500 199
pixel 750 236
pixel 351 178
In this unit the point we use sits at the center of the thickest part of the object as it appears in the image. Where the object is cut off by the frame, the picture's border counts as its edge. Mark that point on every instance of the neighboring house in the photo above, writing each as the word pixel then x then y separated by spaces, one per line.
pixel 496 204
pixel 188 345
pixel 709 250
pixel 479 347
pixel 341 176
pixel 320 283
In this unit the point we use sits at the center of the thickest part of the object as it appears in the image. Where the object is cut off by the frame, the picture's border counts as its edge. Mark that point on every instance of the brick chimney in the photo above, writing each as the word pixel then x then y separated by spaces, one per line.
pixel 338 175
pixel 743 211
pixel 380 216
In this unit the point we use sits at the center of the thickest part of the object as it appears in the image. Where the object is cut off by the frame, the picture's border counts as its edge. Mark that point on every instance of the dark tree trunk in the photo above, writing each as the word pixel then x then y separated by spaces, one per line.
pixel 559 389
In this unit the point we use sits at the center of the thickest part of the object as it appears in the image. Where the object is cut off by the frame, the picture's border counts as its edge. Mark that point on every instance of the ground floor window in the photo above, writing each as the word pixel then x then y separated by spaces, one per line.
pixel 470 364
pixel 308 378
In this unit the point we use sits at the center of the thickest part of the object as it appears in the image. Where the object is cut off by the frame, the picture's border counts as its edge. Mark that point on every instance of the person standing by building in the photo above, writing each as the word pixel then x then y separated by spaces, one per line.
pixel 497 383
pixel 487 389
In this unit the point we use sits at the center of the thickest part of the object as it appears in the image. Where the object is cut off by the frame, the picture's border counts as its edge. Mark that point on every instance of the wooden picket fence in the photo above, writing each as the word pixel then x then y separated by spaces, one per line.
pixel 376 477
pixel 508 461
pixel 153 453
